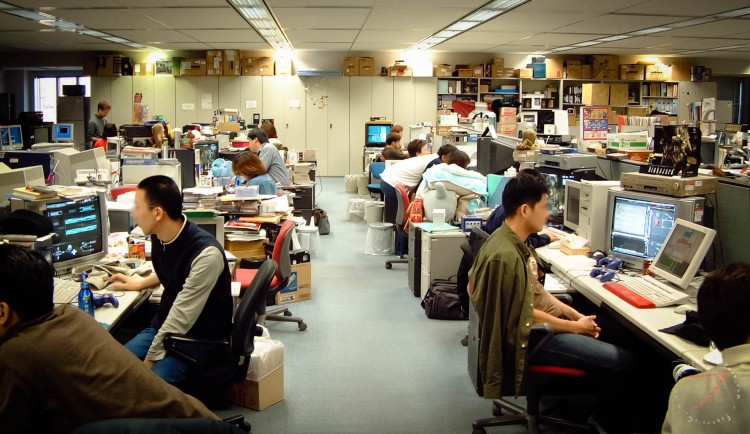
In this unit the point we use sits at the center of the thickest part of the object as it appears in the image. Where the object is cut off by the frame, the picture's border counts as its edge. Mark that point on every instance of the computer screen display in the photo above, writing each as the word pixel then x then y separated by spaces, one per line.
pixel 11 137
pixel 639 227
pixel 682 253
pixel 78 229
pixel 63 133
pixel 209 151
pixel 572 204
pixel 41 135
pixel 376 134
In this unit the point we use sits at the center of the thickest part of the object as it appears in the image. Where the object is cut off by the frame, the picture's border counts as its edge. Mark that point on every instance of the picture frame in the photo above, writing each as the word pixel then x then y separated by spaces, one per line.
pixel 163 67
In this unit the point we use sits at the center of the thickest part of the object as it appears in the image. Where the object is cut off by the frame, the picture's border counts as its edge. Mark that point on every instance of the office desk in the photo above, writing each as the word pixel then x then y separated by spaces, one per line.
pixel 645 323
pixel 130 301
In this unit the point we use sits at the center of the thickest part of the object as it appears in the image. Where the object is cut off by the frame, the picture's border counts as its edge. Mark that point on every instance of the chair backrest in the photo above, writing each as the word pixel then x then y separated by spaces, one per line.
pixel 246 317
pixel 376 168
pixel 402 198
pixel 281 250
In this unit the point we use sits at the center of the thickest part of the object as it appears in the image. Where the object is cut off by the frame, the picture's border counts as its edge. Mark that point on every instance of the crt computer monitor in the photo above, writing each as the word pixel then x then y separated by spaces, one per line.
pixel 81 231
pixel 21 159
pixel 209 151
pixel 682 252
pixel 69 161
pixel 62 133
pixel 638 223
pixel 494 156
pixel 571 214
pixel 376 133
pixel 557 179
pixel 11 137
pixel 42 133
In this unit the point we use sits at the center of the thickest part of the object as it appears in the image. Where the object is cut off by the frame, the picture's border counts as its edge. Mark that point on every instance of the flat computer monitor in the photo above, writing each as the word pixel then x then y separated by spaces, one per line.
pixel 376 133
pixel 21 159
pixel 638 223
pixel 11 137
pixel 682 252
pixel 63 133
pixel 69 161
pixel 212 225
pixel 494 156
pixel 80 228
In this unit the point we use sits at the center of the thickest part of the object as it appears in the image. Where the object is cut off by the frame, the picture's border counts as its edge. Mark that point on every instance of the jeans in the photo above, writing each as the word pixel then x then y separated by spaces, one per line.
pixel 391 202
pixel 170 369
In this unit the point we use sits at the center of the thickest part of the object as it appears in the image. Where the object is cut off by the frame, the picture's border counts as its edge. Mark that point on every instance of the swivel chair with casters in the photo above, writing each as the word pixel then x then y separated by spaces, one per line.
pixel 280 255
pixel 376 168
pixel 402 199
pixel 215 365
pixel 538 378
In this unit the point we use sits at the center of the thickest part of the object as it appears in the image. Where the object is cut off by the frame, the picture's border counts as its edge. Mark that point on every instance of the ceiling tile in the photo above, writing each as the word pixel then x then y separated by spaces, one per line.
pixel 699 43
pixel 320 3
pixel 615 24
pixel 54 37
pixel 413 18
pixel 693 8
pixel 586 6
pixel 427 4
pixel 108 18
pixel 389 37
pixel 149 36
pixel 322 46
pixel 519 21
pixel 180 46
pixel 374 46
pixel 229 35
pixel 709 30
pixel 197 18
pixel 171 3
pixel 303 36
pixel 321 18
pixel 251 46
pixel 52 4
pixel 557 39
pixel 496 38
pixel 466 48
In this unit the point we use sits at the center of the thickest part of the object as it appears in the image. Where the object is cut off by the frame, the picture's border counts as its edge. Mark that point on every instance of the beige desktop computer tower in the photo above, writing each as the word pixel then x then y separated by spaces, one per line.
pixel 586 209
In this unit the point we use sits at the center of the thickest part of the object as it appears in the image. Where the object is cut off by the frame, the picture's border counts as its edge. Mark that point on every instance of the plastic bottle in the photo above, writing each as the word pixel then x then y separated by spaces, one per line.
pixel 511 172
pixel 85 296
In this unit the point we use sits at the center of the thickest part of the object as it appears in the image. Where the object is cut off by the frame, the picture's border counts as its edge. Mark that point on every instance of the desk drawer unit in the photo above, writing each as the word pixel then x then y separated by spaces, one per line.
pixel 441 255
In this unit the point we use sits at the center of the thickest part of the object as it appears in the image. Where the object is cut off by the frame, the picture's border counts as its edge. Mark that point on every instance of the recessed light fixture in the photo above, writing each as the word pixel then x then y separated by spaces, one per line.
pixel 614 38
pixel 692 22
pixel 734 13
pixel 650 31
pixel 587 43
pixel 259 16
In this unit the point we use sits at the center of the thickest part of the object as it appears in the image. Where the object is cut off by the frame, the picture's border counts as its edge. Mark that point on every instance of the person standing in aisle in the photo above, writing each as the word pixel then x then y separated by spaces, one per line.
pixel 95 129
pixel 269 155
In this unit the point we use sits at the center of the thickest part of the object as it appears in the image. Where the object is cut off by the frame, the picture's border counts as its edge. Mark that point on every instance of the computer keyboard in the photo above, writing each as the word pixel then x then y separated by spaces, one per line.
pixel 65 291
pixel 560 234
pixel 646 292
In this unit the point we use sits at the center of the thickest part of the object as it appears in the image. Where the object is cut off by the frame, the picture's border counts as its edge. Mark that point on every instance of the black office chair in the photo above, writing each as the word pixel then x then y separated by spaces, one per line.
pixel 233 425
pixel 470 248
pixel 402 199
pixel 214 365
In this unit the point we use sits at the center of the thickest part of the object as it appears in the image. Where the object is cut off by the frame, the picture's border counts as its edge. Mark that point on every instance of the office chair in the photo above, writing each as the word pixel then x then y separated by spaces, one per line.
pixel 470 248
pixel 376 168
pixel 280 255
pixel 402 198
pixel 233 425
pixel 214 365
pixel 537 379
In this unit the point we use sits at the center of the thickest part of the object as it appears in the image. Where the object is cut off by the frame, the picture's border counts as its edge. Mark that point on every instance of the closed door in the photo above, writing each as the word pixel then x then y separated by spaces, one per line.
pixel 294 116
pixel 338 126
pixel 360 105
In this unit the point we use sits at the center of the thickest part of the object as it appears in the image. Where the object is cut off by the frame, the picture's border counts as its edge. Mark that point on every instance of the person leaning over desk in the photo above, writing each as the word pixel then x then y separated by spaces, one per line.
pixel 60 369
pixel 191 265
pixel 509 297
pixel 95 127
pixel 249 166
pixel 269 155
pixel 408 173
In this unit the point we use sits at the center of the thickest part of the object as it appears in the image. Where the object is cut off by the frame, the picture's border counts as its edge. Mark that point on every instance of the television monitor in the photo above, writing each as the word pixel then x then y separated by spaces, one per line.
pixel 43 133
pixel 494 156
pixel 557 179
pixel 208 151
pixel 69 162
pixel 375 134
pixel 11 137
pixel 20 159
pixel 638 223
pixel 80 228
pixel 682 252
pixel 63 133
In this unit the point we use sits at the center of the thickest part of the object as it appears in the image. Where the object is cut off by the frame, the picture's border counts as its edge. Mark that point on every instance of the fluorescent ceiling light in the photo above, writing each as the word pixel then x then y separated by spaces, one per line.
pixel 650 31
pixel 94 33
pixel 503 4
pixel 462 26
pixel 434 40
pixel 263 24
pixel 482 15
pixel 564 48
pixel 31 15
pixel 728 47
pixel 247 2
pixel 255 13
pixel 613 38
pixel 693 22
pixel 734 13
pixel 6 6
pixel 116 39
pixel 447 33
pixel 64 25
pixel 586 44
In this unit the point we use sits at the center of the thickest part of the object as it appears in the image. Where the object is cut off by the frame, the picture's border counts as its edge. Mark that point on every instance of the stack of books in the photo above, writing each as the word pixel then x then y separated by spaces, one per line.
pixel 138 155
pixel 200 197
pixel 301 173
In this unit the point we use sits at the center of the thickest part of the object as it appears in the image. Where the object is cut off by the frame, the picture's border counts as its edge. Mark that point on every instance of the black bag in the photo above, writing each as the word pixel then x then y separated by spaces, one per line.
pixel 441 301
pixel 25 222
pixel 321 221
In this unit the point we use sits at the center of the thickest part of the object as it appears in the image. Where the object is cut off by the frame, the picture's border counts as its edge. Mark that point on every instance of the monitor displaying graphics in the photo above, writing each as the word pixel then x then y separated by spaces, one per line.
pixel 682 252
pixel 63 133
pixel 80 228
pixel 375 134
pixel 11 137
pixel 208 151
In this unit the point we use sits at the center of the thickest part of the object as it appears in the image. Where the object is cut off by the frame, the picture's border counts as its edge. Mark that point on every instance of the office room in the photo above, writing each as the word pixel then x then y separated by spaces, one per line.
pixel 290 216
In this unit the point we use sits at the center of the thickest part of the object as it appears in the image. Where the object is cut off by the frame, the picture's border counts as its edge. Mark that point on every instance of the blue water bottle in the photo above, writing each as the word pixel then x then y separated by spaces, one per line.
pixel 85 296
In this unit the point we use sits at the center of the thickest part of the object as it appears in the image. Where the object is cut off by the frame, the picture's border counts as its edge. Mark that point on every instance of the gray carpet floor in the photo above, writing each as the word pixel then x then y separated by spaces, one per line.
pixel 370 360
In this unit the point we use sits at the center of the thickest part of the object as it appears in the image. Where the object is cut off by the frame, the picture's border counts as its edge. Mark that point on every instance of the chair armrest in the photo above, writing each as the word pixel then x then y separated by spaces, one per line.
pixel 251 264
pixel 185 348
pixel 565 298
pixel 540 334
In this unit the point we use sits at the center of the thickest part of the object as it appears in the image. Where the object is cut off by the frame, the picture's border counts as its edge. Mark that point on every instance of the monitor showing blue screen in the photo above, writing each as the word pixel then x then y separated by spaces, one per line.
pixel 11 137
pixel 376 134
pixel 63 133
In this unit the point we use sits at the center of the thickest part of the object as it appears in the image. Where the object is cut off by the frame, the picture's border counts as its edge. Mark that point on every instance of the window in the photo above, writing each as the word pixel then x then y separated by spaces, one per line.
pixel 47 89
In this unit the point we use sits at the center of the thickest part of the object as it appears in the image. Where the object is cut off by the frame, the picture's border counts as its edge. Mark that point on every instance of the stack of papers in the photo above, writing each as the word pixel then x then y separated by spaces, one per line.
pixel 200 197
pixel 309 155
pixel 301 173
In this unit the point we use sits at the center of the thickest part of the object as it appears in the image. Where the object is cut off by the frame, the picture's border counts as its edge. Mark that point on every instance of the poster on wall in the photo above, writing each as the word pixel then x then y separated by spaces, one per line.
pixel 594 123
pixel 163 67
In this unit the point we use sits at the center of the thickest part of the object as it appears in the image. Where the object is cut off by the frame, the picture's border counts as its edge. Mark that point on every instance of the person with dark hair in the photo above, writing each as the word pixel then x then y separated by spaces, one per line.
pixel 190 264
pixel 509 297
pixel 442 155
pixel 393 150
pixel 714 396
pixel 459 158
pixel 270 156
pixel 269 129
pixel 407 173
pixel 60 369
pixel 398 129
pixel 249 166
pixel 417 147
pixel 95 127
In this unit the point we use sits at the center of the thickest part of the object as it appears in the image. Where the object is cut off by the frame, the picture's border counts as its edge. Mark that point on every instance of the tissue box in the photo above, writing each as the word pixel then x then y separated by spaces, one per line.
pixel 247 191
pixel 567 249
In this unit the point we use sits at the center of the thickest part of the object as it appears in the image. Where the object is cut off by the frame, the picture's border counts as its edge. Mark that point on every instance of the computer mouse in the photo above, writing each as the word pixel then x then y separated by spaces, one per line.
pixel 683 308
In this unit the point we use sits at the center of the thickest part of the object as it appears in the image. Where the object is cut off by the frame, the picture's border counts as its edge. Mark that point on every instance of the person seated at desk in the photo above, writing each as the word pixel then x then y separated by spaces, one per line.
pixel 273 136
pixel 713 401
pixel 60 369
pixel 249 166
pixel 398 129
pixel 270 156
pixel 509 297
pixel 393 150
pixel 190 264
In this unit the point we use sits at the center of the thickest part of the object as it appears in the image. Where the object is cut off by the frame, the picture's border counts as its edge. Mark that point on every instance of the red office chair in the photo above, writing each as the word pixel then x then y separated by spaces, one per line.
pixel 280 280
pixel 402 198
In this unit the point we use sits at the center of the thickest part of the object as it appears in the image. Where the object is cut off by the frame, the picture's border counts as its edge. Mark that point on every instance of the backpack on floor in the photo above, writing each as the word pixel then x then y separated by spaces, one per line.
pixel 321 221
pixel 441 300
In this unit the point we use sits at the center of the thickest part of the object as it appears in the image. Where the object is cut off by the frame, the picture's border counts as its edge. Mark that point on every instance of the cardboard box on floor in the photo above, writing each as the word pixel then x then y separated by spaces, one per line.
pixel 299 287
pixel 259 395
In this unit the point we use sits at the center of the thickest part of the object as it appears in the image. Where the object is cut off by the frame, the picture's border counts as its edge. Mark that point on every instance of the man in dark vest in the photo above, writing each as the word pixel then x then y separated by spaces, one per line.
pixel 191 265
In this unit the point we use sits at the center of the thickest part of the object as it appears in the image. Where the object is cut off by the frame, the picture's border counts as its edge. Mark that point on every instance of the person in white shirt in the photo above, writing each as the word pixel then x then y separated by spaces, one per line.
pixel 716 401
pixel 406 172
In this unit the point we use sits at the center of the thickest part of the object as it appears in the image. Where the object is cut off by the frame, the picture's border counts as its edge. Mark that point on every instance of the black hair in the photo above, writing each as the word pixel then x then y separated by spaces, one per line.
pixel 415 147
pixel 257 133
pixel 723 304
pixel 527 188
pixel 27 281
pixel 459 158
pixel 446 150
pixel 163 192
pixel 392 137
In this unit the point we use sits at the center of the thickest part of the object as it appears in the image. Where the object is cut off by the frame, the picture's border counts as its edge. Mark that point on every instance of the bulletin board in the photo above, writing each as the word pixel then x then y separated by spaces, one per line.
pixel 594 123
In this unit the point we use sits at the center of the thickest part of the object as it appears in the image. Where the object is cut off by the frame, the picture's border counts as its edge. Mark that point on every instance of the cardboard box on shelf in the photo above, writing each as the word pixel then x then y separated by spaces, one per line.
pixel 523 73
pixel 247 249
pixel 573 69
pixel 109 65
pixel 443 70
pixel 605 67
pixel 595 94
pixel 299 287
pixel 232 62
pixel 637 111
pixel 193 67
pixel 572 122
pixel 464 72
pixel 484 88
pixel 264 65
pixel 632 72
pixel 351 66
pixel 508 130
pixel 214 62
pixel 510 120
pixel 249 64
pixel 367 66
pixel 554 68
pixel 284 66
pixel 508 111
pixel 399 71
pixel 259 395
pixel 144 69
pixel 498 61
pixel 680 72
pixel 618 94
pixel 477 71
pixel 586 72
pixel 657 72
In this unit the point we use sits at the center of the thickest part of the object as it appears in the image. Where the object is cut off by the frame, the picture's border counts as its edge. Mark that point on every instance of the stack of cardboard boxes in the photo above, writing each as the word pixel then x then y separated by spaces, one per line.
pixel 507 124
pixel 231 63
pixel 615 94
pixel 359 66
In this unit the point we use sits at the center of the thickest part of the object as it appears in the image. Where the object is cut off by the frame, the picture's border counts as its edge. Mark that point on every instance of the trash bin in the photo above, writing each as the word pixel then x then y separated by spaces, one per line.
pixel 350 183
pixel 379 239
pixel 362 182
pixel 374 211
pixel 309 238
pixel 355 210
